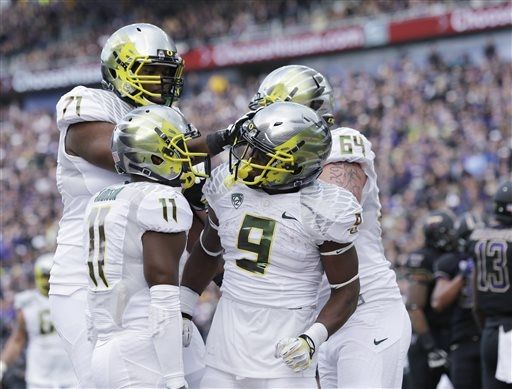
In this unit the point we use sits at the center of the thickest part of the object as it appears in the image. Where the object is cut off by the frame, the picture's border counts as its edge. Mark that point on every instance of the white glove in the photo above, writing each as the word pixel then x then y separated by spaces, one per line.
pixel 187 331
pixel 297 353
pixel 176 383
pixel 3 369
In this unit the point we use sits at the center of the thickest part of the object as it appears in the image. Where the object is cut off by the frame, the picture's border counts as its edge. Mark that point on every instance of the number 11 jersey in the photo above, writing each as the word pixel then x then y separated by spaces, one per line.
pixel 116 219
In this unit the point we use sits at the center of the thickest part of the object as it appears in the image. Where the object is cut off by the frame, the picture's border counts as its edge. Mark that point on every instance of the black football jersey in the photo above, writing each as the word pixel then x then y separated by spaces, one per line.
pixel 462 322
pixel 423 262
pixel 492 249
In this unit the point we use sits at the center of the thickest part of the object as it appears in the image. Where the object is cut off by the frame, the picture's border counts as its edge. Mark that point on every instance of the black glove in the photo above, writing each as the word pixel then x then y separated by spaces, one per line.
pixel 195 197
pixel 227 136
pixel 436 357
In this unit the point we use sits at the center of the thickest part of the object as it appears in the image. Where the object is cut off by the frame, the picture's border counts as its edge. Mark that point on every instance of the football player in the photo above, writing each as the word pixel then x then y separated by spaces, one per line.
pixel 48 365
pixel 350 165
pixel 140 66
pixel 278 229
pixel 492 248
pixel 453 288
pixel 428 354
pixel 135 234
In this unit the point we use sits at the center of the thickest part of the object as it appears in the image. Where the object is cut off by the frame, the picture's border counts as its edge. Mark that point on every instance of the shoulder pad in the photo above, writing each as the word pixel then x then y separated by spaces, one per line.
pixel 164 209
pixel 330 213
pixel 351 146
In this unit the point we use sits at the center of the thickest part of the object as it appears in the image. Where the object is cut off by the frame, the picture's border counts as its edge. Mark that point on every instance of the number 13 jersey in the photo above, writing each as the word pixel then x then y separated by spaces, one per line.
pixel 271 241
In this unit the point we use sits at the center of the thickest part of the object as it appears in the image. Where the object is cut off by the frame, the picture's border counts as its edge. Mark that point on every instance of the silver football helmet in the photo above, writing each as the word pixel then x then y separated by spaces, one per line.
pixel 299 84
pixel 151 141
pixel 140 63
pixel 282 147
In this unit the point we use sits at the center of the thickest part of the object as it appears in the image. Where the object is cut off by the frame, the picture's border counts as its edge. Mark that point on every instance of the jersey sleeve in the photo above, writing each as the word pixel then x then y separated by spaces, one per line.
pixel 164 211
pixel 351 146
pixel 21 300
pixel 419 263
pixel 330 213
pixel 216 184
pixel 446 267
pixel 83 104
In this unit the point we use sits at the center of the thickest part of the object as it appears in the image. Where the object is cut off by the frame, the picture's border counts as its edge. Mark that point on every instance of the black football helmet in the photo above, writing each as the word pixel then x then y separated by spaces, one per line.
pixel 464 226
pixel 439 230
pixel 502 203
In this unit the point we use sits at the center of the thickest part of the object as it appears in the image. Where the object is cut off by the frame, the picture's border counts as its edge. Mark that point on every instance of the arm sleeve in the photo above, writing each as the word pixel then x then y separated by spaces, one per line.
pixel 330 213
pixel 164 210
pixel 21 300
pixel 217 184
pixel 418 263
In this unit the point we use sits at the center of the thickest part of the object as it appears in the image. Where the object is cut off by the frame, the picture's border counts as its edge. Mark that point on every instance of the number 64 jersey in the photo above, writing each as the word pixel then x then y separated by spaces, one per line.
pixel 116 218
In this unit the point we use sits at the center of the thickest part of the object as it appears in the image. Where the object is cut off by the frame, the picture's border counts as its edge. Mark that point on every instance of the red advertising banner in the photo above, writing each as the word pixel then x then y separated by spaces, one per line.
pixel 456 22
pixel 304 44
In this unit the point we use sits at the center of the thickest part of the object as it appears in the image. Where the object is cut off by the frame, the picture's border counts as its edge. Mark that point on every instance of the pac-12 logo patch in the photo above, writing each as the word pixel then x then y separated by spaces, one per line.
pixel 237 199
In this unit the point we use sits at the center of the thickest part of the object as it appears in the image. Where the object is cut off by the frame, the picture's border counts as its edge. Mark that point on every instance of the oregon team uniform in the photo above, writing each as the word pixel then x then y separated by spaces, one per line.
pixel 492 249
pixel 48 365
pixel 77 181
pixel 272 269
pixel 118 296
pixel 465 335
pixel 380 298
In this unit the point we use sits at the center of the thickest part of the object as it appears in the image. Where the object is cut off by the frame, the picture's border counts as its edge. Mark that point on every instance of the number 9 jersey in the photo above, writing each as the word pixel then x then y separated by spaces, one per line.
pixel 271 241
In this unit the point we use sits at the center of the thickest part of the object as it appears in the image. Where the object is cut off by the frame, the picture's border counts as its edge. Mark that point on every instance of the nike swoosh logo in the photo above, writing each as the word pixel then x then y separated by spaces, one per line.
pixel 377 342
pixel 285 216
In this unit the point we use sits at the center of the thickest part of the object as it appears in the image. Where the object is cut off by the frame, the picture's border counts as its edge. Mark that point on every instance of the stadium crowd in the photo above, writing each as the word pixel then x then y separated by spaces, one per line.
pixel 79 27
pixel 440 131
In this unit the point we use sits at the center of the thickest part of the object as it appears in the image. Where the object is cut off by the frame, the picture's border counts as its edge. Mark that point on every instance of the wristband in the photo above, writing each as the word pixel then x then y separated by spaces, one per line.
pixel 188 300
pixel 317 333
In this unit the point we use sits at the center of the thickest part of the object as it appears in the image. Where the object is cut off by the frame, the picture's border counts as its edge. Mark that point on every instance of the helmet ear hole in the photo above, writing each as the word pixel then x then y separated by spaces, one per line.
pixel 297 170
pixel 156 160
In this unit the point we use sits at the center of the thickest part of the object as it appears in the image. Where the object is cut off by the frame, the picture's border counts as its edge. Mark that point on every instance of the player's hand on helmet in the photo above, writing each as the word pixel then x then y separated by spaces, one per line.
pixel 232 132
pixel 297 353
pixel 187 330
pixel 437 358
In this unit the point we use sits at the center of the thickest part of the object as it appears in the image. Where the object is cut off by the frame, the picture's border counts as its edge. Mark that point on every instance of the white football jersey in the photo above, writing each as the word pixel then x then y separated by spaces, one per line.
pixel 377 280
pixel 48 364
pixel 116 218
pixel 271 241
pixel 78 179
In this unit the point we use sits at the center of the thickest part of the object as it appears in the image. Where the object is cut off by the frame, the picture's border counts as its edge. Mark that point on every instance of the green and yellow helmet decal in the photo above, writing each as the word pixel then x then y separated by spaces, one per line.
pixel 298 84
pixel 139 62
pixel 42 268
pixel 283 147
pixel 151 141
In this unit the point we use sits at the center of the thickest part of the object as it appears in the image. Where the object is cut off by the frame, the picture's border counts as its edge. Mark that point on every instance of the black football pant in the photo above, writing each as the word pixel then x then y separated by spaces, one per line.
pixel 465 371
pixel 489 352
pixel 420 375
